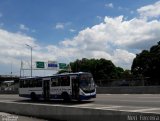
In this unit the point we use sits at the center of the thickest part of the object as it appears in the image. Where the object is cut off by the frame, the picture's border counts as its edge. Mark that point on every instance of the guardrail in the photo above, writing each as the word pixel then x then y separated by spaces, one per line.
pixel 129 90
pixel 116 90
pixel 9 92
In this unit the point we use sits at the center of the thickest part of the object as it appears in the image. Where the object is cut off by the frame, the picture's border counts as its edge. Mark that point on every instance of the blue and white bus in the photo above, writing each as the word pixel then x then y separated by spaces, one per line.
pixel 67 86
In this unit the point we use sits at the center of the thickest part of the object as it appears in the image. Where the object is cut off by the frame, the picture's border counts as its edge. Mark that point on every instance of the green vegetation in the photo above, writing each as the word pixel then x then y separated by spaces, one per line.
pixel 101 69
pixel 147 65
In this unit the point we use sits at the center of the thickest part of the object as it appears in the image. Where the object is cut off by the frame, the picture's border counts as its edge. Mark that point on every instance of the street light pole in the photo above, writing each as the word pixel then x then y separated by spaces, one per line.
pixel 31 61
pixel 31 56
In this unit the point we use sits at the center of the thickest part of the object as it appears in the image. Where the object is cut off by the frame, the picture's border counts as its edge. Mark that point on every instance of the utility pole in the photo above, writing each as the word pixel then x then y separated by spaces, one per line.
pixel 11 69
pixel 31 56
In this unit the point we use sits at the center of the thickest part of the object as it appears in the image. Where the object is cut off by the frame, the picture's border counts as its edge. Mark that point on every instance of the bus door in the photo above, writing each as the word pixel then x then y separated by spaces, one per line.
pixel 46 88
pixel 75 87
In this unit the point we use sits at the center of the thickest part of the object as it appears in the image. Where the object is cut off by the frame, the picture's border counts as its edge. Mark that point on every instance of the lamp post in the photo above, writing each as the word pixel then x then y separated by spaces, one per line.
pixel 31 56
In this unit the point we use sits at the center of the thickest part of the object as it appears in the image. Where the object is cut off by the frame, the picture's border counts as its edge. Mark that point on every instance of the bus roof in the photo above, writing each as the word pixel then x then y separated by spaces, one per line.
pixel 32 77
pixel 76 73
pixel 11 81
pixel 63 74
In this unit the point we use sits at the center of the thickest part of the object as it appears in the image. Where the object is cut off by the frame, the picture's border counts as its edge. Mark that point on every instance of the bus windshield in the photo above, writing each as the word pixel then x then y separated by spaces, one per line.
pixel 86 82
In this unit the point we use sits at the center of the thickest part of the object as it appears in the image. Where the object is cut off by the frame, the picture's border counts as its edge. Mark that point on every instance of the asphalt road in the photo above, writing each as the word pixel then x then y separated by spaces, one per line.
pixel 12 117
pixel 139 100
pixel 146 100
pixel 149 103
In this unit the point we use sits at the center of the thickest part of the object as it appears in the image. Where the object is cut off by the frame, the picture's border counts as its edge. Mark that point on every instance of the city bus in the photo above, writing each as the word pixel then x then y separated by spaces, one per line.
pixel 77 86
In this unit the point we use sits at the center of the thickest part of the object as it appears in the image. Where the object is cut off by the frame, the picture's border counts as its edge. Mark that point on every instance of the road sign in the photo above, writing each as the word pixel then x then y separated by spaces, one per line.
pixel 40 64
pixel 62 66
pixel 52 65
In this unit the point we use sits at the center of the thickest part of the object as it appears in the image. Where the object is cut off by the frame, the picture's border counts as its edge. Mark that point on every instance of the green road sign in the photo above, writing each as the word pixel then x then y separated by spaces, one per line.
pixel 62 66
pixel 39 64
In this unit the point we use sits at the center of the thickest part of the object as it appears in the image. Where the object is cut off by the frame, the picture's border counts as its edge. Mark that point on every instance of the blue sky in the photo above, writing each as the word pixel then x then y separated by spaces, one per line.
pixel 66 26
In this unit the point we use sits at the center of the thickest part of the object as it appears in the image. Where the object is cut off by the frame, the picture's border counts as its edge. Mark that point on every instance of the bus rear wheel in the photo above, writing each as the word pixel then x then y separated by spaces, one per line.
pixel 66 97
pixel 33 96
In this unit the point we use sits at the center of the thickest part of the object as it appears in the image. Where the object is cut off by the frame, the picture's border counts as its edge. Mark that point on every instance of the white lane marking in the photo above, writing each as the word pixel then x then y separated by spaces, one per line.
pixel 147 94
pixel 138 101
pixel 80 105
pixel 110 107
pixel 95 106
pixel 149 97
pixel 153 112
pixel 88 106
pixel 147 109
pixel 7 100
pixel 125 94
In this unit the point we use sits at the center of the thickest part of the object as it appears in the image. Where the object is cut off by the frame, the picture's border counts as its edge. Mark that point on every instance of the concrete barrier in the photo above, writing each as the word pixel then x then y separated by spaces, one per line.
pixel 117 90
pixel 59 112
pixel 129 90
pixel 9 92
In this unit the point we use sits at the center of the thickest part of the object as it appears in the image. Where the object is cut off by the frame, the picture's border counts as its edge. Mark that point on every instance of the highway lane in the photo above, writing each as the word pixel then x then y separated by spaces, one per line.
pixel 123 102
pixel 148 100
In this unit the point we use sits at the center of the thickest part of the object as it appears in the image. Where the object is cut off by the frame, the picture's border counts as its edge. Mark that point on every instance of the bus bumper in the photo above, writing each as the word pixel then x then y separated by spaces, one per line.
pixel 82 97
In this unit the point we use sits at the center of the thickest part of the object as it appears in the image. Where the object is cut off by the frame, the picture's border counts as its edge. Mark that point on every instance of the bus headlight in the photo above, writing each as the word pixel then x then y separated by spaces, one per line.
pixel 83 88
pixel 81 92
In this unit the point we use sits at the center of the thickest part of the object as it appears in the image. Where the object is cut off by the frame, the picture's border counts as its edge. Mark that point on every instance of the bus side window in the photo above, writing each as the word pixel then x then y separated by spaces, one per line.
pixel 24 83
pixel 55 82
pixel 27 83
pixel 65 81
pixel 39 82
pixel 30 83
pixel 34 83
pixel 21 83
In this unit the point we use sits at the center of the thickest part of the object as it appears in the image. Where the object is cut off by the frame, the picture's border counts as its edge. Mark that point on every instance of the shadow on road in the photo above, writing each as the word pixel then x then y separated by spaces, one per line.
pixel 54 102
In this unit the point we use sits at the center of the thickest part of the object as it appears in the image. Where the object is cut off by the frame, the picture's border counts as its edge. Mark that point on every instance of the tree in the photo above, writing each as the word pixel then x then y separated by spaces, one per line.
pixel 101 69
pixel 147 64
pixel 62 71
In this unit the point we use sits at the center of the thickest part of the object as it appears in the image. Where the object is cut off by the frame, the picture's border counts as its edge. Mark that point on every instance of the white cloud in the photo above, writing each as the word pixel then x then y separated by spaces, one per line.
pixel 72 30
pixel 150 11
pixel 109 5
pixel 59 26
pixel 122 8
pixel 23 27
pixel 62 25
pixel 13 49
pixel 123 57
pixel 115 39
pixel 99 17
